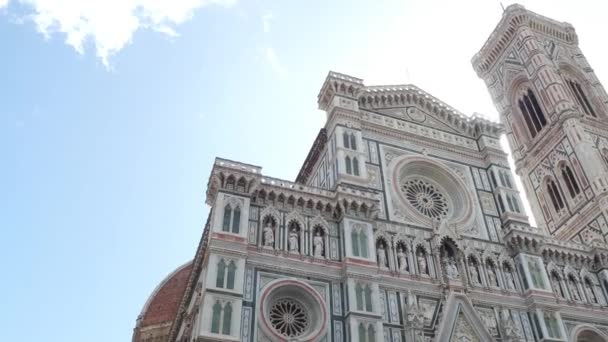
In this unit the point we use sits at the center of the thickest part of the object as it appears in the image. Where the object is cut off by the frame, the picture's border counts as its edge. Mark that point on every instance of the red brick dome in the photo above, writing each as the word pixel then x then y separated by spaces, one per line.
pixel 157 315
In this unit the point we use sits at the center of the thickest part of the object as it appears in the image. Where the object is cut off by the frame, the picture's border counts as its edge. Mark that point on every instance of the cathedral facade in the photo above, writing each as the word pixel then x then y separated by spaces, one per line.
pixel 404 222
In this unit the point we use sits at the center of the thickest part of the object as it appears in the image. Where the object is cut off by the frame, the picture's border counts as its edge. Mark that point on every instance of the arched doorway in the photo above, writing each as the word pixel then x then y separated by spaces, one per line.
pixel 588 334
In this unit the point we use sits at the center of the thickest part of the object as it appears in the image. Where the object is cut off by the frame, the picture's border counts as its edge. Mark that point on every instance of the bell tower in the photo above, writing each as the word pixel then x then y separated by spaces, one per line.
pixel 556 117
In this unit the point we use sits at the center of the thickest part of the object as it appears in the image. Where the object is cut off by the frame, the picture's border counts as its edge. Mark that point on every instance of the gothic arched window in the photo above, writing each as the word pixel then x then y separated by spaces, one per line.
pixel 359 297
pixel 221 274
pixel 354 235
pixel 515 204
pixel 231 275
pixel 556 197
pixel 570 180
pixel 580 97
pixel 236 220
pixel 501 204
pixel 368 298
pixel 363 244
pixel 346 140
pixel 362 333
pixel 216 318
pixel 532 113
pixel 227 319
pixel 355 166
pixel 227 216
pixel 353 141
pixel 349 167
pixel 371 334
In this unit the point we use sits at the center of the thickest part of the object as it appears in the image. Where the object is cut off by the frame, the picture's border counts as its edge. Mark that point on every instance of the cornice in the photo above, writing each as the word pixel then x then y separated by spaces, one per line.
pixel 514 17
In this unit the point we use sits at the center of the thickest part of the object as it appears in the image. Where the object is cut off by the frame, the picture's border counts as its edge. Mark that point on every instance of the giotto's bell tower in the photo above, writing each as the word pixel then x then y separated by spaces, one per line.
pixel 556 117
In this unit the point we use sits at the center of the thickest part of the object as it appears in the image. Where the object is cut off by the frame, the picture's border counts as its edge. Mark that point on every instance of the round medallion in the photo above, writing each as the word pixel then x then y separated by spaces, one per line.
pixel 426 198
pixel 289 318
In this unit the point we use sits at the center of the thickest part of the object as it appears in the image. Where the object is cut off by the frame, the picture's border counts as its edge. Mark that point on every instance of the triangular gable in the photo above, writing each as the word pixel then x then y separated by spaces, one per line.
pixel 420 116
pixel 460 322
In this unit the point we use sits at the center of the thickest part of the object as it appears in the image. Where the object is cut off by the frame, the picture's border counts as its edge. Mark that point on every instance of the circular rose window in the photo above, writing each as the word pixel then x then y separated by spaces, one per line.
pixel 426 198
pixel 292 310
pixel 427 190
pixel 289 318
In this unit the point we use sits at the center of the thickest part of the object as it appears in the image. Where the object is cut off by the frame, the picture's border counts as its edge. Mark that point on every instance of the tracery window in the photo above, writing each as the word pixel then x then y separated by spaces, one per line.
pixel 355 166
pixel 353 141
pixel 363 296
pixel 367 333
pixel 532 113
pixel 555 196
pixel 580 97
pixel 552 325
pixel 225 275
pixel 426 198
pixel 359 243
pixel 232 219
pixel 349 167
pixel 570 180
pixel 221 318
pixel 346 140
pixel 289 318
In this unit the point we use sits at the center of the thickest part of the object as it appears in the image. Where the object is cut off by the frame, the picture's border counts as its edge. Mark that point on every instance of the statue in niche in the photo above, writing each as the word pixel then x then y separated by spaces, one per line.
pixel 573 289
pixel 451 268
pixel 318 244
pixel 268 235
pixel 402 259
pixel 474 274
pixel 422 263
pixel 381 255
pixel 590 293
pixel 492 276
pixel 294 245
pixel 555 285
pixel 510 280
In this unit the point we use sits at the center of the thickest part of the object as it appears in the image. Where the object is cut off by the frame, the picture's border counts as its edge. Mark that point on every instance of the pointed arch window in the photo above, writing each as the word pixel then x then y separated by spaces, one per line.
pixel 346 140
pixel 221 274
pixel 493 179
pixel 226 273
pixel 355 166
pixel 227 319
pixel 354 235
pixel 216 318
pixel 363 296
pixel 362 333
pixel 510 203
pixel 232 219
pixel 363 244
pixel 353 141
pixel 515 204
pixel 501 204
pixel 570 180
pixel 221 318
pixel 580 97
pixel 556 198
pixel 349 167
pixel 532 113
pixel 231 275
pixel 227 216
pixel 371 334
pixel 359 297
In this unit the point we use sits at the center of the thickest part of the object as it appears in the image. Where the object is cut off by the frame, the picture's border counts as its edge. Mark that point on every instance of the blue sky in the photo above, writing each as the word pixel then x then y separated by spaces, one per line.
pixel 108 139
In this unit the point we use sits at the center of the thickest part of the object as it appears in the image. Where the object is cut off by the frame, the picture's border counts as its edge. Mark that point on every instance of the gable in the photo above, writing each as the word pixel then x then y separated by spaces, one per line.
pixel 460 322
pixel 420 116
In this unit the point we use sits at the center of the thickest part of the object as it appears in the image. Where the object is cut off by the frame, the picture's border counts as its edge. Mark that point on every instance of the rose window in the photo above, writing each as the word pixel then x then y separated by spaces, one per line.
pixel 289 318
pixel 426 198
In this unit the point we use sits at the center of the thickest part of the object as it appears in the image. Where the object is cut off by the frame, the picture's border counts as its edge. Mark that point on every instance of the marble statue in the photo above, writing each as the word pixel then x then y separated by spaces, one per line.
pixel 573 289
pixel 318 244
pixel 294 245
pixel 268 236
pixel 492 276
pixel 451 268
pixel 402 259
pixel 422 264
pixel 510 280
pixel 381 255
pixel 474 274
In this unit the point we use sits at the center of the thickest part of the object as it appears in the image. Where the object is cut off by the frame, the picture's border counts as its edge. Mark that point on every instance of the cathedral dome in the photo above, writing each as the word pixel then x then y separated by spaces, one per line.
pixel 160 309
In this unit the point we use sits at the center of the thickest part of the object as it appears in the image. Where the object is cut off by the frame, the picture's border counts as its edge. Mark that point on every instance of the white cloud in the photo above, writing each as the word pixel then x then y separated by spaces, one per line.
pixel 110 24
pixel 274 62
pixel 3 3
pixel 266 18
